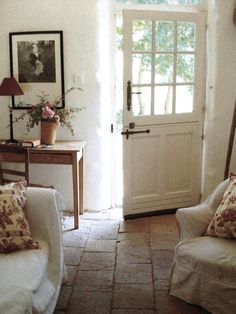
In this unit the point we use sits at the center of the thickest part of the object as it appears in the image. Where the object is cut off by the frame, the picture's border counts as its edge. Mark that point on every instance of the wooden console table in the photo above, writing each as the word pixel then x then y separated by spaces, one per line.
pixel 61 153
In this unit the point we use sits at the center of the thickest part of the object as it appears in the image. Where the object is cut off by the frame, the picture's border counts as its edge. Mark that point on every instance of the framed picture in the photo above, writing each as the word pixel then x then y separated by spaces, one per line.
pixel 36 62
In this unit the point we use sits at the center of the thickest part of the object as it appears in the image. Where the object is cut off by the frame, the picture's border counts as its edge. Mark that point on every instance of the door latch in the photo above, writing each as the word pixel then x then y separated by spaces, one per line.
pixel 129 95
pixel 131 125
pixel 127 133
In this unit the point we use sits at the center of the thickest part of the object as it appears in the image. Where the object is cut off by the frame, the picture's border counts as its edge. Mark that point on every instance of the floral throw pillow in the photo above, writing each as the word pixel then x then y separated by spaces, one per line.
pixel 14 228
pixel 16 188
pixel 223 224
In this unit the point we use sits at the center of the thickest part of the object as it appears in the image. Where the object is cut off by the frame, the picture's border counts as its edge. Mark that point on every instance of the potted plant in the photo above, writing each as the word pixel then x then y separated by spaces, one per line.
pixel 47 114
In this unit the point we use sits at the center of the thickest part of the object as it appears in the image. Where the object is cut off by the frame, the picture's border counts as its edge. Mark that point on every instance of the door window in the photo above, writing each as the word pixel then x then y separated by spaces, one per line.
pixel 163 67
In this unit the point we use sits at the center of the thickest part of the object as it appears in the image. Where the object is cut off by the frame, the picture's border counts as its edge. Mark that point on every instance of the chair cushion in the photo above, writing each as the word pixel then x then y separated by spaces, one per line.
pixel 14 228
pixel 213 257
pixel 15 300
pixel 223 224
pixel 24 269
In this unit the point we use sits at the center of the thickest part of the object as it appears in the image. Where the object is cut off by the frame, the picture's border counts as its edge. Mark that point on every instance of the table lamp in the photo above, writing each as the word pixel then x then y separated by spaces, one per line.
pixel 10 87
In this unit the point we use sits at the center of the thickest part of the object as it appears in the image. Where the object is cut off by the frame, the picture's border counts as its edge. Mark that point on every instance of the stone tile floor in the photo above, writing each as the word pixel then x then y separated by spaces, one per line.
pixel 120 267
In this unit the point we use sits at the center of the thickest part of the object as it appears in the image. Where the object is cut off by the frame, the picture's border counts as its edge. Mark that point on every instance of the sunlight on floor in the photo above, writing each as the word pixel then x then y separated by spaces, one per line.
pixel 107 214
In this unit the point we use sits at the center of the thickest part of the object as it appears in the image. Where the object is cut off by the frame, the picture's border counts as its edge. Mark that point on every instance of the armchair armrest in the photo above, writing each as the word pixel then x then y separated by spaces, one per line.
pixel 193 221
pixel 43 213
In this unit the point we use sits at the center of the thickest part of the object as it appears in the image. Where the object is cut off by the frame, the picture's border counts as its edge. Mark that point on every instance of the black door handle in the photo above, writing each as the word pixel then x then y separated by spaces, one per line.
pixel 129 95
pixel 127 133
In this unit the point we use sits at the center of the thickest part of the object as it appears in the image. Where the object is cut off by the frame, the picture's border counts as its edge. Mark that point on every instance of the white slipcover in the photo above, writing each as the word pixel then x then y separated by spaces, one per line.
pixel 204 269
pixel 30 280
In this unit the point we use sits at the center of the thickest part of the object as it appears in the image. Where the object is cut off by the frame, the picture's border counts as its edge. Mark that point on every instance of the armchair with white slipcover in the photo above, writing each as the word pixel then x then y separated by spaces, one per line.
pixel 204 269
pixel 30 280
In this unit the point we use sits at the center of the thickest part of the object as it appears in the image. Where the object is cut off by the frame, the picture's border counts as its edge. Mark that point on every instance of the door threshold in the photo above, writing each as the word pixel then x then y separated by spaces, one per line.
pixel 152 213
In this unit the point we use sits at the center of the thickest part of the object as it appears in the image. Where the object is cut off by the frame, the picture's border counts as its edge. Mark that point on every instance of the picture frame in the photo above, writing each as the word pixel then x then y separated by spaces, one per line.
pixel 36 62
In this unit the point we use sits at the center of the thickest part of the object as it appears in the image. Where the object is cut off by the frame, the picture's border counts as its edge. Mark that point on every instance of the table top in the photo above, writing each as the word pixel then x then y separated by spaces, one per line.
pixel 59 146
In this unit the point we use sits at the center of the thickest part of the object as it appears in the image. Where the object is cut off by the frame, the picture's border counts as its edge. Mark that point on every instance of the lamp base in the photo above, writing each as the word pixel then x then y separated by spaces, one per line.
pixel 12 141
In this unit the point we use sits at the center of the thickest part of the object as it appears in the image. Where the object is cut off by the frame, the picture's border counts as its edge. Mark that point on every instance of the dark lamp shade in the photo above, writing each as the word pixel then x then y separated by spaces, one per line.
pixel 10 87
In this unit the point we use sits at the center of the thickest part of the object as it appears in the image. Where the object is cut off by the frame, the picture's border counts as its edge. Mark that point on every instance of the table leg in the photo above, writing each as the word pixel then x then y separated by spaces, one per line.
pixel 75 189
pixel 81 185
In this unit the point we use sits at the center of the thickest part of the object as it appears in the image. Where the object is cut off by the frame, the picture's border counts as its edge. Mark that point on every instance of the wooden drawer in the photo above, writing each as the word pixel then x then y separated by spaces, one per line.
pixel 64 159
pixel 12 157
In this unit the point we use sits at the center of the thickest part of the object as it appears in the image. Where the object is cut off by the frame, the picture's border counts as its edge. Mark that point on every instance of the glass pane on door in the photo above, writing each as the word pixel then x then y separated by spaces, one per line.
pixel 185 68
pixel 142 35
pixel 141 68
pixel 164 36
pixel 141 101
pixel 163 100
pixel 164 68
pixel 184 99
pixel 185 36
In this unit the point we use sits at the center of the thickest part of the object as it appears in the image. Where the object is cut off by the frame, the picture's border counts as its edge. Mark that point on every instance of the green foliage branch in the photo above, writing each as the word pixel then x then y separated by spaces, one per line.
pixel 63 116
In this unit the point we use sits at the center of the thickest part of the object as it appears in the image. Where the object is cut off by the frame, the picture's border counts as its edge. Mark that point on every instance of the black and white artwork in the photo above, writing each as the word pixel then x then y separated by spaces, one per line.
pixel 36 62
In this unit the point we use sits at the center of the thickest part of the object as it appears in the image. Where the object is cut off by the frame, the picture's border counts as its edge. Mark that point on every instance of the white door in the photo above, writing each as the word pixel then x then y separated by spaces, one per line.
pixel 163 100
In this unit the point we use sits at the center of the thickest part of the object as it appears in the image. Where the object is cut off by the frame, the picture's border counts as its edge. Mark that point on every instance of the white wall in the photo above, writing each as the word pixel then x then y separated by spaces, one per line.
pixel 87 48
pixel 86 51
pixel 220 92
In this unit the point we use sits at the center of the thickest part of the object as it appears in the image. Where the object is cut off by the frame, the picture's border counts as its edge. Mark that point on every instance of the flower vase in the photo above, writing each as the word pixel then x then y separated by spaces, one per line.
pixel 48 132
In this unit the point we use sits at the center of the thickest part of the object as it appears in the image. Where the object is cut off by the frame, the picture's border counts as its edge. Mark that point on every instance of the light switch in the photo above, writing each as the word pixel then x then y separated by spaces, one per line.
pixel 78 80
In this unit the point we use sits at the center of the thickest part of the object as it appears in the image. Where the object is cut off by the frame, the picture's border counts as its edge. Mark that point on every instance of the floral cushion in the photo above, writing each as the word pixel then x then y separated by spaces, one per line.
pixel 223 224
pixel 14 227
pixel 16 188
